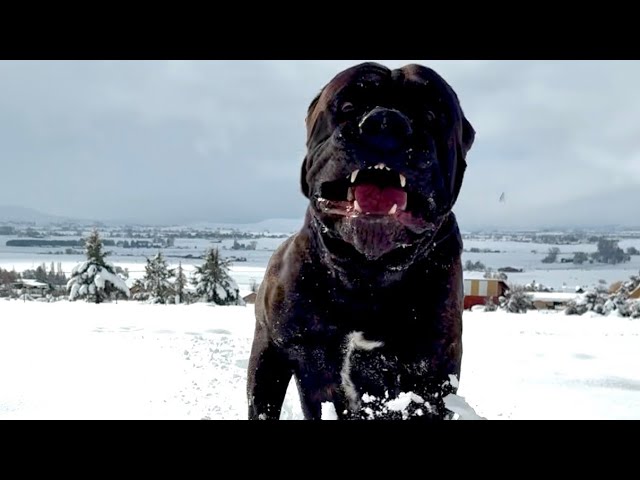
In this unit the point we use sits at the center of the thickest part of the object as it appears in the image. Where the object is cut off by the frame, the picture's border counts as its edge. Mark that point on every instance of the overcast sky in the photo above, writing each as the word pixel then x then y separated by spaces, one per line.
pixel 183 141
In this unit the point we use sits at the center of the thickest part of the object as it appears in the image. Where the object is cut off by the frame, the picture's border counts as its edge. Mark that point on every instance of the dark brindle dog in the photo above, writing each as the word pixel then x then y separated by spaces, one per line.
pixel 367 297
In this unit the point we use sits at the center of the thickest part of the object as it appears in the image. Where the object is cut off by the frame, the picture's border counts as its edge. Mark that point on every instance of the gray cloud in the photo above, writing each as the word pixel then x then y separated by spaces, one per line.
pixel 169 141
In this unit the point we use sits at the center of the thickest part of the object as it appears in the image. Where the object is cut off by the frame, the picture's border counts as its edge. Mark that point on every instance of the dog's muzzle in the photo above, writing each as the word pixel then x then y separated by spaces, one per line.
pixel 385 129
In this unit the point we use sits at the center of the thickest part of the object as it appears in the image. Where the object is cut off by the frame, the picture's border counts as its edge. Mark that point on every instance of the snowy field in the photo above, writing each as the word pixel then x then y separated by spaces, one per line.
pixel 136 361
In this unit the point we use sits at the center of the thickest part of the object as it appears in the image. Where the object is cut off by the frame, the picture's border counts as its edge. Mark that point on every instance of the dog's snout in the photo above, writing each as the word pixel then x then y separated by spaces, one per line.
pixel 385 128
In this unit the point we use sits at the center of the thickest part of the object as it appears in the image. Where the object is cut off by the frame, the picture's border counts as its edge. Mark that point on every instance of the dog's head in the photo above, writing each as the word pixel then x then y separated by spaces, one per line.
pixel 385 158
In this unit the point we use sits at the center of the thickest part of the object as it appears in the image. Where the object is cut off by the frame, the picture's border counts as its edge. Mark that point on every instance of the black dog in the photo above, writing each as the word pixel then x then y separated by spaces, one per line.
pixel 367 297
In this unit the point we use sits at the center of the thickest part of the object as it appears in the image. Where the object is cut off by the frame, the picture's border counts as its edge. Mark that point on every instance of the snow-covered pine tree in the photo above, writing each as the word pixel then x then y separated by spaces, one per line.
pixel 95 279
pixel 180 284
pixel 156 281
pixel 213 283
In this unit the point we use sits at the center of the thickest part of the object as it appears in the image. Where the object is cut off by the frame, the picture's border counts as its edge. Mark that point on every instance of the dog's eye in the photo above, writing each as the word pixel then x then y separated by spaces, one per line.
pixel 347 107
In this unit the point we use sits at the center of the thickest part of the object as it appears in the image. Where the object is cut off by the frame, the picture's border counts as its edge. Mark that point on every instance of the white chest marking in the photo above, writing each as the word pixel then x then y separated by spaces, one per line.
pixel 355 341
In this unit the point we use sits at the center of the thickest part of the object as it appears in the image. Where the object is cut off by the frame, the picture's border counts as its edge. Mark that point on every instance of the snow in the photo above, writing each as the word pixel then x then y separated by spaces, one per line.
pixel 80 268
pixel 403 401
pixel 462 410
pixel 78 360
pixel 328 411
pixel 220 292
pixel 105 276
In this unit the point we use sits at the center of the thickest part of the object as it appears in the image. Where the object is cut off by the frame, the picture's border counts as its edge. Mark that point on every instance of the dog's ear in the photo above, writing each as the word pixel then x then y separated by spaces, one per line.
pixel 304 185
pixel 467 135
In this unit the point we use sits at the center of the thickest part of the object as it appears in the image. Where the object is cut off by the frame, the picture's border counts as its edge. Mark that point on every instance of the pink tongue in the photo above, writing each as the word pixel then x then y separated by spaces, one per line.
pixel 376 200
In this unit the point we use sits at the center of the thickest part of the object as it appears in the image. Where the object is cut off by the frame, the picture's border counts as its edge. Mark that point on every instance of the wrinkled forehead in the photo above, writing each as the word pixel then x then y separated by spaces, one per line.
pixel 371 73
pixel 368 73
pixel 411 76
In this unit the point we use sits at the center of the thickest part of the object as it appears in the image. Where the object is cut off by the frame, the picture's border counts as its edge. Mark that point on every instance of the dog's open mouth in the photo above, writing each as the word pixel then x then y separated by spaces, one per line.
pixel 375 193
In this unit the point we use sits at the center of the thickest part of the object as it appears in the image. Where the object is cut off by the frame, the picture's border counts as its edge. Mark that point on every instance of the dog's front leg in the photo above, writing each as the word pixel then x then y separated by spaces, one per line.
pixel 268 377
pixel 317 375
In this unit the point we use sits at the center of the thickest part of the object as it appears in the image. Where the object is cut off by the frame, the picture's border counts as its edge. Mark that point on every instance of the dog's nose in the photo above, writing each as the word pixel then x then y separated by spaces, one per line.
pixel 385 128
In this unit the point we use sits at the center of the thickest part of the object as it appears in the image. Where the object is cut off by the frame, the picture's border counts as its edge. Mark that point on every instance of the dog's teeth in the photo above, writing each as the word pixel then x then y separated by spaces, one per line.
pixel 356 207
pixel 403 181
pixel 387 168
pixel 354 174
pixel 393 209
pixel 380 166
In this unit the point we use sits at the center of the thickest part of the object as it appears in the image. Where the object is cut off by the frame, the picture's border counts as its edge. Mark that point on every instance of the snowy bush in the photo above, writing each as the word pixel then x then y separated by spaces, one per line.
pixel 490 305
pixel 516 300
pixel 601 301
pixel 589 301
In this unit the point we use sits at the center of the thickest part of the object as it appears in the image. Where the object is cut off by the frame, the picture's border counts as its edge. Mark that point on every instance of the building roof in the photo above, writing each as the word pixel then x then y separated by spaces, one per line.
pixel 553 296
pixel 29 282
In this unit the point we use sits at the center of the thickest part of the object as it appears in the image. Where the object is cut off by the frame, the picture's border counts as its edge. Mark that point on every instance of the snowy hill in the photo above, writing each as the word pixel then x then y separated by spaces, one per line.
pixel 9 213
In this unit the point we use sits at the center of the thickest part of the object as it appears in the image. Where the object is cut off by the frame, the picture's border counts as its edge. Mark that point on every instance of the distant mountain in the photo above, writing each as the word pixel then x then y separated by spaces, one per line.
pixel 11 213
pixel 14 214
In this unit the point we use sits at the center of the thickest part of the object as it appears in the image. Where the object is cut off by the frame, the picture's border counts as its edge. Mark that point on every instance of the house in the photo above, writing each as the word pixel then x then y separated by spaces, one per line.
pixel 618 286
pixel 478 291
pixel 251 298
pixel 552 300
pixel 32 287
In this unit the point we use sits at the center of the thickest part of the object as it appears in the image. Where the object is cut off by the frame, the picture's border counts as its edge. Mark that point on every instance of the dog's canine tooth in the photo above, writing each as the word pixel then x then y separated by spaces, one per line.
pixel 354 174
pixel 380 166
pixel 394 209
pixel 403 181
pixel 356 207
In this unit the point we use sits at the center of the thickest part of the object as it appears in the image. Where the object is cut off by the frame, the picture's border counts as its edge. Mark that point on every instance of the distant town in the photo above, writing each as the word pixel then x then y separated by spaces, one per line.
pixel 143 236
pixel 71 237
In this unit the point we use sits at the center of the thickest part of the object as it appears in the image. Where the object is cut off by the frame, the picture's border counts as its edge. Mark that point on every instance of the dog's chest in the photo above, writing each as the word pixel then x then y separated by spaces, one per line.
pixel 379 314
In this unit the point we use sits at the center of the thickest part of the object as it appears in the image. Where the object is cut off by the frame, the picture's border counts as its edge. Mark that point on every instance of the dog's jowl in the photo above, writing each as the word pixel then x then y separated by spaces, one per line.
pixel 364 304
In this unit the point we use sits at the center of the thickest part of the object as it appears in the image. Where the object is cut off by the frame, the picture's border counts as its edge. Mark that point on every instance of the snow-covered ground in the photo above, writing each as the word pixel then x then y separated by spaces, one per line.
pixel 131 360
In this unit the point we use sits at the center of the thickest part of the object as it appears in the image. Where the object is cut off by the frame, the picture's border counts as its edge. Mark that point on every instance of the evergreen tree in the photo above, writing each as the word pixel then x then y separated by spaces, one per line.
pixel 180 284
pixel 156 279
pixel 580 257
pixel 93 249
pixel 41 273
pixel 552 256
pixel 213 283
pixel 610 252
pixel 95 279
